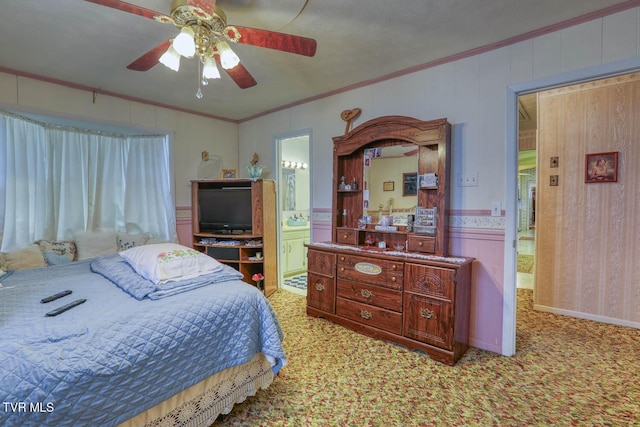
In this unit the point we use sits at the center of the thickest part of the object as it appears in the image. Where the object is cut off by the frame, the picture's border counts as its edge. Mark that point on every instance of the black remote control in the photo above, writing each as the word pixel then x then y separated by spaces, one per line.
pixel 65 307
pixel 55 297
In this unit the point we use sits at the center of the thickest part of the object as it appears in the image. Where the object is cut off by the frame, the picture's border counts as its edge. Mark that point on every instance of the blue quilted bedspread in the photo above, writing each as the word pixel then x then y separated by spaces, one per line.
pixel 114 356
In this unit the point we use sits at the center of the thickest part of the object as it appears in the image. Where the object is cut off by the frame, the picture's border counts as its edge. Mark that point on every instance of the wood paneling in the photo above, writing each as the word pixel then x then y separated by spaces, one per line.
pixel 588 237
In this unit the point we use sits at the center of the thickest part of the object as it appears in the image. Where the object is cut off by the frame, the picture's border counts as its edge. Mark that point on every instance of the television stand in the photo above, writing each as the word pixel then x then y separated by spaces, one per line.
pixel 240 232
pixel 252 250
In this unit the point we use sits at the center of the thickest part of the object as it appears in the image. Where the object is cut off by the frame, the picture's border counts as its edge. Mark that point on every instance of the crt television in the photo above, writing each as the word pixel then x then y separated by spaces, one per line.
pixel 225 210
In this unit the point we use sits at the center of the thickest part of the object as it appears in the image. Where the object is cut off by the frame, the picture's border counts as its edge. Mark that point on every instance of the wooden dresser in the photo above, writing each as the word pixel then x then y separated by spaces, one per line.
pixel 393 280
pixel 421 302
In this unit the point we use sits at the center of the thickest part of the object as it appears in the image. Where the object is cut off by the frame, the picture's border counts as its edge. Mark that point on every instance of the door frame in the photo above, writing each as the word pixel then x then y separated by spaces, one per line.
pixel 277 147
pixel 511 218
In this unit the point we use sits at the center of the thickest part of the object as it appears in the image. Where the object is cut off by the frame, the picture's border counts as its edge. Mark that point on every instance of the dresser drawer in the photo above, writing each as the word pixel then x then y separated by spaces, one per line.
pixel 379 272
pixel 373 295
pixel 417 243
pixel 428 320
pixel 376 317
pixel 433 281
pixel 347 236
pixel 319 262
pixel 321 292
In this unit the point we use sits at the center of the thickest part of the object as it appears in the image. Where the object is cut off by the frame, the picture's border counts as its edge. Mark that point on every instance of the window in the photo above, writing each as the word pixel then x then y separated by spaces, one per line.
pixel 57 181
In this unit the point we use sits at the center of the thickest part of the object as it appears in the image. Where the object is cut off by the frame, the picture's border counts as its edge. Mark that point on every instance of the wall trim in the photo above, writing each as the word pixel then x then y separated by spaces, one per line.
pixel 458 218
pixel 477 234
pixel 99 91
pixel 183 213
pixel 586 316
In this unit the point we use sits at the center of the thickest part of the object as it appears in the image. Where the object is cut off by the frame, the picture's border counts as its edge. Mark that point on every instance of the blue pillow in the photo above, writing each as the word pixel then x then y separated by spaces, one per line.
pixel 55 259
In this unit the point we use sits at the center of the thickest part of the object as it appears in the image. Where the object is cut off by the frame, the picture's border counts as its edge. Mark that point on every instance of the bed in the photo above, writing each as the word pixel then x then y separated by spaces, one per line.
pixel 172 355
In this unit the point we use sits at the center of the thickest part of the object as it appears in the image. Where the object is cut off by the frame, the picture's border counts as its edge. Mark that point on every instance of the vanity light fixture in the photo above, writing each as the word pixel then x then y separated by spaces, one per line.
pixel 294 165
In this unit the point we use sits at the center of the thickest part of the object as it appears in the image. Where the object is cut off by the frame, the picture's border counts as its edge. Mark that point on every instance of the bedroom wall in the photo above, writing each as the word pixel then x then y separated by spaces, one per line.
pixel 472 93
pixel 192 134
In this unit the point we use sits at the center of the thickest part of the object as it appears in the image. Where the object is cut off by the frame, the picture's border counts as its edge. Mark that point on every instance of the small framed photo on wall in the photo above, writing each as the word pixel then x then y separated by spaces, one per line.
pixel 388 186
pixel 601 167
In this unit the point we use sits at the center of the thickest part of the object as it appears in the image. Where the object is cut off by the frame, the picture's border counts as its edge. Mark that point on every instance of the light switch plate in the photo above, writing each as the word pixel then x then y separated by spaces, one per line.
pixel 496 209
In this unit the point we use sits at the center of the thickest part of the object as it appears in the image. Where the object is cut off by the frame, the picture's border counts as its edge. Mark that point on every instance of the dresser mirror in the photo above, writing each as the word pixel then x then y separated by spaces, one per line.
pixel 390 188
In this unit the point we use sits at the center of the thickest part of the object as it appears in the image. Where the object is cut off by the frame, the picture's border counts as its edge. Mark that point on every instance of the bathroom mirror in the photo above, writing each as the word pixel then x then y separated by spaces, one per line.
pixel 294 191
pixel 390 178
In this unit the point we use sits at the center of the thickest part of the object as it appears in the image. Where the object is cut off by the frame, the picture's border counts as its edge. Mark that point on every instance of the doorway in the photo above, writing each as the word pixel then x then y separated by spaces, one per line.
pixel 527 181
pixel 294 210
pixel 511 221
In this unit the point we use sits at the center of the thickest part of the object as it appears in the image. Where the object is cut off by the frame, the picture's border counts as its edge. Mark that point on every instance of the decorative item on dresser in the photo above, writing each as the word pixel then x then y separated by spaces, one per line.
pixel 382 277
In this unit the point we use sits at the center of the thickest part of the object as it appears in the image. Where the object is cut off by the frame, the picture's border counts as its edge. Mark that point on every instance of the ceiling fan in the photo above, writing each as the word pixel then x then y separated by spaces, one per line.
pixel 204 33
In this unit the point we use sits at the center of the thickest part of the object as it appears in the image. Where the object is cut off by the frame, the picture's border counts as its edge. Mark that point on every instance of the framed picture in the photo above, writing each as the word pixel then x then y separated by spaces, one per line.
pixel 410 184
pixel 228 173
pixel 601 167
pixel 387 186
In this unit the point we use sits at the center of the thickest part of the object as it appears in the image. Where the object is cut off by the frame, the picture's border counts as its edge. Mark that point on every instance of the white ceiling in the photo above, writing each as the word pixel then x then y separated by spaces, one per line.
pixel 89 45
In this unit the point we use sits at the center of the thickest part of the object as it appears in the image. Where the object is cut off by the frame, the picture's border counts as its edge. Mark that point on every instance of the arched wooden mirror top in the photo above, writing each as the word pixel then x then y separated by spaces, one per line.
pixel 394 189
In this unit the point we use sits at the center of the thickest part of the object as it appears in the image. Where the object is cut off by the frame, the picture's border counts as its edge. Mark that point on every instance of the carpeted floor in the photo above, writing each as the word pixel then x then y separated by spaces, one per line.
pixel 566 372
pixel 525 263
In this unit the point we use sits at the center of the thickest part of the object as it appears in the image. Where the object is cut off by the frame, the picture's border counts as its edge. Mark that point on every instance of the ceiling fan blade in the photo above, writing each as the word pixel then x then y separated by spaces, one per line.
pixel 274 40
pixel 149 59
pixel 127 7
pixel 240 75
pixel 208 6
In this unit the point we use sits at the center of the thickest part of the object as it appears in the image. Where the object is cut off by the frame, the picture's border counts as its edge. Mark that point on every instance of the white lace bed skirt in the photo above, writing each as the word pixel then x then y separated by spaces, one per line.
pixel 202 403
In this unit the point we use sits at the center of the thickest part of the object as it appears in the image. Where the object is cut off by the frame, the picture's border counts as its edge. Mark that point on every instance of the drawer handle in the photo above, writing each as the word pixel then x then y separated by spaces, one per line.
pixel 394 267
pixel 319 287
pixel 426 313
pixel 420 243
pixel 365 314
pixel 341 268
pixel 393 279
pixel 341 258
pixel 344 236
pixel 366 293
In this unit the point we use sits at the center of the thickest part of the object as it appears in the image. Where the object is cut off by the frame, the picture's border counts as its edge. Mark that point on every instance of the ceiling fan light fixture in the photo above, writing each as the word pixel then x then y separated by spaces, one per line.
pixel 210 70
pixel 184 43
pixel 228 58
pixel 171 59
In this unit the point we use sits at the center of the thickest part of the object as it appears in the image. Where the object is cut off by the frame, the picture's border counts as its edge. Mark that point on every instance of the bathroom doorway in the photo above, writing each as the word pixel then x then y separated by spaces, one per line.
pixel 294 210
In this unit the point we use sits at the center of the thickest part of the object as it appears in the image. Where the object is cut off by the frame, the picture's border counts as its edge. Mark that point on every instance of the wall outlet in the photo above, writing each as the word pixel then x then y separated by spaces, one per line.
pixel 496 209
pixel 468 180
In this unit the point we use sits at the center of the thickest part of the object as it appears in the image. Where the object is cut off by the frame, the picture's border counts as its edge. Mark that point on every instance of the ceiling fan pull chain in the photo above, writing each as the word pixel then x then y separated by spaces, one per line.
pixel 199 94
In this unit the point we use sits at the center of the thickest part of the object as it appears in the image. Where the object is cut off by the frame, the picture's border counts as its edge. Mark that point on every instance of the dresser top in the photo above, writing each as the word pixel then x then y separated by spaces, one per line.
pixel 374 251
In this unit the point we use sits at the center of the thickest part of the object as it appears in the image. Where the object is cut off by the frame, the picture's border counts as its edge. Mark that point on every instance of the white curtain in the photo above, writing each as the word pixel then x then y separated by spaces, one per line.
pixel 57 181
